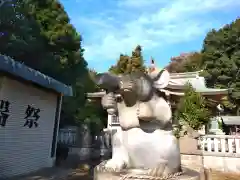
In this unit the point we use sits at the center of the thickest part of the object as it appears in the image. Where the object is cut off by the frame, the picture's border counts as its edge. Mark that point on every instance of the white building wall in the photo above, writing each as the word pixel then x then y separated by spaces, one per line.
pixel 25 149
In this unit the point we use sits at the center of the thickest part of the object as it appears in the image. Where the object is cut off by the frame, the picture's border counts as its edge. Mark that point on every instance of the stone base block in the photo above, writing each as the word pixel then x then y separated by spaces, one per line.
pixel 135 174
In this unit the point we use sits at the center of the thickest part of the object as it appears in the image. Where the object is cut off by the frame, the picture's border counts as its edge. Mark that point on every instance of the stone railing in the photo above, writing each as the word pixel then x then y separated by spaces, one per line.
pixel 217 152
pixel 219 144
pixel 67 136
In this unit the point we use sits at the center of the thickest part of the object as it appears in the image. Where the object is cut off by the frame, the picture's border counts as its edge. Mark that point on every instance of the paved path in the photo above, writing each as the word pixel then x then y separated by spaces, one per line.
pixel 68 171
pixel 53 173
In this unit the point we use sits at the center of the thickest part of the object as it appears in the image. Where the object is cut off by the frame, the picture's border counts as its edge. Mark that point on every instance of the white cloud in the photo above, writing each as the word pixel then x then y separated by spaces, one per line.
pixel 174 22
pixel 140 3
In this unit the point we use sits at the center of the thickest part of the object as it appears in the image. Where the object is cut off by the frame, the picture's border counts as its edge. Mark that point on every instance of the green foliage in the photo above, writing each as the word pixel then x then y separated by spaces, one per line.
pixel 39 34
pixel 20 35
pixel 220 124
pixel 63 41
pixel 128 64
pixel 221 58
pixel 67 64
pixel 122 65
pixel 177 130
pixel 137 62
pixel 187 62
pixel 94 116
pixel 192 109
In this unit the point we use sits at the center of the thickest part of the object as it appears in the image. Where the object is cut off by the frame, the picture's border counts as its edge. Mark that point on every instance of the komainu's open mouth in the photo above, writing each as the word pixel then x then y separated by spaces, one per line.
pixel 129 97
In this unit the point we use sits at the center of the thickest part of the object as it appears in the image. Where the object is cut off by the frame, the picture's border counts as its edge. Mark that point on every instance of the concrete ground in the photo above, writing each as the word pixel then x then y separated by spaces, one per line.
pixel 83 174
pixel 71 169
pixel 216 175
pixel 83 170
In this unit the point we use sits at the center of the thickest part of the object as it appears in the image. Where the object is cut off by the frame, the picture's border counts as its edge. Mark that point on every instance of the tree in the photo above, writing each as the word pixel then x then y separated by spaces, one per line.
pixel 20 35
pixel 194 62
pixel 122 65
pixel 221 58
pixel 128 64
pixel 39 34
pixel 63 41
pixel 64 44
pixel 186 62
pixel 192 109
pixel 137 62
pixel 93 113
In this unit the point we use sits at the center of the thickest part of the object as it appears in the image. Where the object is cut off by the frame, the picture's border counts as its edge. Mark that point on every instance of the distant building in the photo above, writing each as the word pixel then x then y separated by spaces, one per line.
pixel 30 105
pixel 178 81
pixel 229 125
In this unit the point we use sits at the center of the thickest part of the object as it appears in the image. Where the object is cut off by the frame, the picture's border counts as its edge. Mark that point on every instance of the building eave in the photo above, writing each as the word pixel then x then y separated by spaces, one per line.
pixel 185 75
pixel 203 92
pixel 9 66
pixel 96 94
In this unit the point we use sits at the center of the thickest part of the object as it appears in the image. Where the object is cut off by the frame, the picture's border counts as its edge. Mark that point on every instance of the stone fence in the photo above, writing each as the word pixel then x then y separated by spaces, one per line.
pixel 217 152
pixel 67 136
pixel 83 144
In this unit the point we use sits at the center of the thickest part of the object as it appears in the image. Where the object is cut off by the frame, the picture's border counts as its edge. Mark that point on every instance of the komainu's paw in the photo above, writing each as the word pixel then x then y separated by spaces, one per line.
pixel 159 170
pixel 108 101
pixel 115 164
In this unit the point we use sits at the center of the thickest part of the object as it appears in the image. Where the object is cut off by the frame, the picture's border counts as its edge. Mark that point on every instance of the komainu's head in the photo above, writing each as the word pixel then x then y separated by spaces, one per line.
pixel 127 83
pixel 136 84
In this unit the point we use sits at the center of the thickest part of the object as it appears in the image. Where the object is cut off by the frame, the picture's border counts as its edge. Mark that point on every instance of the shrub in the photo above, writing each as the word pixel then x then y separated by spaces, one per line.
pixel 192 109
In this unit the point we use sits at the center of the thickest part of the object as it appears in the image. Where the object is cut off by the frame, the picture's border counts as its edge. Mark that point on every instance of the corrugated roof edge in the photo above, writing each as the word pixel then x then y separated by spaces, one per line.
pixel 8 65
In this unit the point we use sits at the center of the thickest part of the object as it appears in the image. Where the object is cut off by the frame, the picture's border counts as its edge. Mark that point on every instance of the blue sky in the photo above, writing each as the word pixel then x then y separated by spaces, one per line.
pixel 164 28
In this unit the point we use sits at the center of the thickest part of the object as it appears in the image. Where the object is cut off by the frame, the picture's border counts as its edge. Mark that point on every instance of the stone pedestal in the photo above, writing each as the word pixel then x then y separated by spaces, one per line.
pixel 137 174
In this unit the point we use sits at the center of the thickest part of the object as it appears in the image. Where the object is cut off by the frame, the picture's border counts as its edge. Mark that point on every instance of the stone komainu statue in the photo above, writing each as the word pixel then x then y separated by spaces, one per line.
pixel 146 140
